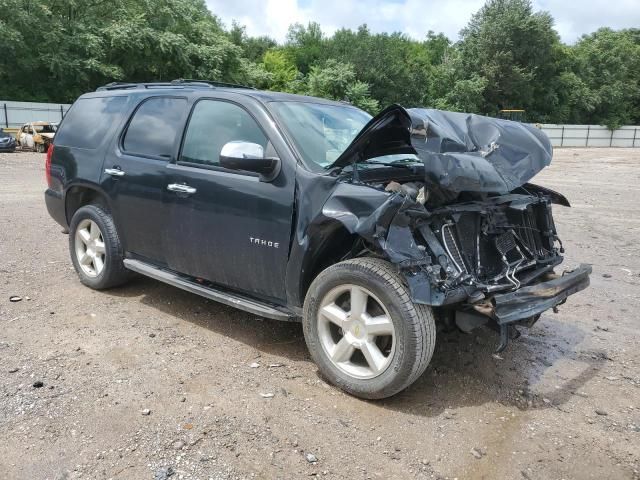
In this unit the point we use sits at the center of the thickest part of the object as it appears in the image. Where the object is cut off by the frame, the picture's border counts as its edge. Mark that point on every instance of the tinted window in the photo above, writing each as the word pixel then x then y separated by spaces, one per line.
pixel 155 126
pixel 86 124
pixel 214 123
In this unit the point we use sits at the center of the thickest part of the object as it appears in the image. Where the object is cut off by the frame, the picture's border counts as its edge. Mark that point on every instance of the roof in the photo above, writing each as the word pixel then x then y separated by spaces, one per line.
pixel 200 85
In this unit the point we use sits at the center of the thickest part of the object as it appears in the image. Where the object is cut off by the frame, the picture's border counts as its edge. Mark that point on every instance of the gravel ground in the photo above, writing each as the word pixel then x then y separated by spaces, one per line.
pixel 149 382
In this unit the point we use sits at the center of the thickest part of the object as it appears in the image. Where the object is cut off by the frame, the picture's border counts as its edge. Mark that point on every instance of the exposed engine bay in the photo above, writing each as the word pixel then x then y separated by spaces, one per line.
pixel 475 247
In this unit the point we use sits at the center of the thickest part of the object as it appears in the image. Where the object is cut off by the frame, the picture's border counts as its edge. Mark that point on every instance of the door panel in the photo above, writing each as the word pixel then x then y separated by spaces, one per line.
pixel 135 175
pixel 137 202
pixel 233 230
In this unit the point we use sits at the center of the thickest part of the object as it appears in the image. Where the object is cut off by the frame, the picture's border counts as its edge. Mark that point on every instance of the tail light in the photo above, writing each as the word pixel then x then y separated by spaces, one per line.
pixel 47 167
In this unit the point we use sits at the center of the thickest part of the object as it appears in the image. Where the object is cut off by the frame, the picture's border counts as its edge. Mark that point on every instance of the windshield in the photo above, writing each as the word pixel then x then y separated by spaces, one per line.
pixel 320 132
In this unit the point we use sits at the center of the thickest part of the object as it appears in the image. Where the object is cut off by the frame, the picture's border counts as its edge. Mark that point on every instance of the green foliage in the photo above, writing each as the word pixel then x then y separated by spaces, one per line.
pixel 607 67
pixel 337 80
pixel 281 69
pixel 508 56
pixel 57 50
pixel 513 52
pixel 304 45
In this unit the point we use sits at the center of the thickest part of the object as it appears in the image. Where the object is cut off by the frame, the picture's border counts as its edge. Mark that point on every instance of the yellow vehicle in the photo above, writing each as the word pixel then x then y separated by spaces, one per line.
pixel 512 114
pixel 36 136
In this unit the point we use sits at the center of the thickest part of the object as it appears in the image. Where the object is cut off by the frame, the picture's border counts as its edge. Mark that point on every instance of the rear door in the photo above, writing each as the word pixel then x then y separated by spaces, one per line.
pixel 135 174
pixel 231 229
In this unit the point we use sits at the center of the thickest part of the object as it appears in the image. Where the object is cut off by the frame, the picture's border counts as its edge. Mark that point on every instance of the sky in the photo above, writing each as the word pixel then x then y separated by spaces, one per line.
pixel 414 17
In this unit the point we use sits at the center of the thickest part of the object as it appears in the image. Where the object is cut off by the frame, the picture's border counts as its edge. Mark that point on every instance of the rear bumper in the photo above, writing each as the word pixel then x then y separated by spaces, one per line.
pixel 530 301
pixel 55 206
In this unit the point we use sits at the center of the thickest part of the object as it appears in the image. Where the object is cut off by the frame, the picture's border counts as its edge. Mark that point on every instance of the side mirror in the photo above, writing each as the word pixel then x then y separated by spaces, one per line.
pixel 247 156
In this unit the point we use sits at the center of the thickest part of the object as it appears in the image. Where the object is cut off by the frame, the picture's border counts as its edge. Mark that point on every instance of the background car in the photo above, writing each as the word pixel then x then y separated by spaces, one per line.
pixel 36 136
pixel 7 142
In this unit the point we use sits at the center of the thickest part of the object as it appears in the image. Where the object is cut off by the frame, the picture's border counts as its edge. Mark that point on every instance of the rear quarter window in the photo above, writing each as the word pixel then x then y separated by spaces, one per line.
pixel 87 122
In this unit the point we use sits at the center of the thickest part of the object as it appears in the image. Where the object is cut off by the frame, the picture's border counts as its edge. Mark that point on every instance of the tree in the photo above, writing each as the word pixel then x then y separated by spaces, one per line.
pixel 281 69
pixel 396 68
pixel 304 45
pixel 336 80
pixel 87 44
pixel 508 56
pixel 606 70
pixel 514 52
pixel 253 48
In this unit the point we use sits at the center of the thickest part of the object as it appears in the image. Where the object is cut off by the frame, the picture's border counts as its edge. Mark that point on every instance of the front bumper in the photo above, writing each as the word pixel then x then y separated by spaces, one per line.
pixel 527 302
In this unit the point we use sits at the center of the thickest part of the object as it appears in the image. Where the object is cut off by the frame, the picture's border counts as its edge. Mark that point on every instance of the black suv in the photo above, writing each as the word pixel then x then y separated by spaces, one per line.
pixel 372 231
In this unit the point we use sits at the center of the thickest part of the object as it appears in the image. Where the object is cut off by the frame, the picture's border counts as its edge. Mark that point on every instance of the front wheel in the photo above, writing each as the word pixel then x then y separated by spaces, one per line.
pixel 364 332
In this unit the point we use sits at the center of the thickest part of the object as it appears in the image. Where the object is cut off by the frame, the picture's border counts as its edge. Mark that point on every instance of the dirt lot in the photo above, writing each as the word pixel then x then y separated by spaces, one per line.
pixel 562 403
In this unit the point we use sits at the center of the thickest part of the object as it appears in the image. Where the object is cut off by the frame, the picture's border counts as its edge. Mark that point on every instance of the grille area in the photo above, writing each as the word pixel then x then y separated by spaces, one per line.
pixel 482 243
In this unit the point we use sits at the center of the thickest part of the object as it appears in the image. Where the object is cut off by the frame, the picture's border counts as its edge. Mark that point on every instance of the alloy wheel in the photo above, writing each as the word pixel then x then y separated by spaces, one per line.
pixel 356 331
pixel 90 248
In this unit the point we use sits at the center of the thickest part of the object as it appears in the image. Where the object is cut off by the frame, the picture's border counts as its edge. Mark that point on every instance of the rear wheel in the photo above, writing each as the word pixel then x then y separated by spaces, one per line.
pixel 364 332
pixel 96 251
pixel 40 147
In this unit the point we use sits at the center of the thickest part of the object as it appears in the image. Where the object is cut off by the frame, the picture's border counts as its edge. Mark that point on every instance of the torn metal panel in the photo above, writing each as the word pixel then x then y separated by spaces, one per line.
pixel 460 151
pixel 466 152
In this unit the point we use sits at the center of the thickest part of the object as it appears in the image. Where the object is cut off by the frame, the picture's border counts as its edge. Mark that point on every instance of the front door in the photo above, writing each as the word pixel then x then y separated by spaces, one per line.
pixel 228 227
pixel 135 175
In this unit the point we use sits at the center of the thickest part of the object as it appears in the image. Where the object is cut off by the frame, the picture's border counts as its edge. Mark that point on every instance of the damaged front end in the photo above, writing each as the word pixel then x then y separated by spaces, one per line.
pixel 460 221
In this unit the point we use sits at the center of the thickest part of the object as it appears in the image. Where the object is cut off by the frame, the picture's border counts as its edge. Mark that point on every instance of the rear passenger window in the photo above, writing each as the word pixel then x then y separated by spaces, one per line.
pixel 86 124
pixel 214 123
pixel 155 126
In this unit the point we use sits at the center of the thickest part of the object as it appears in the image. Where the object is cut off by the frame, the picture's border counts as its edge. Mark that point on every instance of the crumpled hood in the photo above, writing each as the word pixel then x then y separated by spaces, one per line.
pixel 460 151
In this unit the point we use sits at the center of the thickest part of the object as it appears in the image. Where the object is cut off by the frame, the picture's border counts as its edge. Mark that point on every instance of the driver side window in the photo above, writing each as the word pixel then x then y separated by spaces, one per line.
pixel 214 123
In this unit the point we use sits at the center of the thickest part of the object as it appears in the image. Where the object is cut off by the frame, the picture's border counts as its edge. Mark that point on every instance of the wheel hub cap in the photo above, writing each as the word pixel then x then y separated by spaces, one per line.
pixel 90 248
pixel 356 331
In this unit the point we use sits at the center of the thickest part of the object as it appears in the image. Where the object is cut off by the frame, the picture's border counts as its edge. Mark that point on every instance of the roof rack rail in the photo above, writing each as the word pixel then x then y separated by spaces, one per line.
pixel 212 83
pixel 125 85
pixel 174 83
pixel 116 85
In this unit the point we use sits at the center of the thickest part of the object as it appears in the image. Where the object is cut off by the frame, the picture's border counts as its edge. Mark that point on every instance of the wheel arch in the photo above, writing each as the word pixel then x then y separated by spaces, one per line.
pixel 330 243
pixel 80 194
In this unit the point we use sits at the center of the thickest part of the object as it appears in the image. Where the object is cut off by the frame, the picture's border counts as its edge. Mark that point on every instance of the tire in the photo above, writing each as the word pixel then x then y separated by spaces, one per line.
pixel 40 148
pixel 406 351
pixel 104 243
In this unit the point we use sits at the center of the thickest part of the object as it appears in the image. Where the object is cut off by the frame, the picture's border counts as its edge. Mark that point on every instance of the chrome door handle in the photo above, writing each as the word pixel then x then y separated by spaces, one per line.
pixel 181 188
pixel 114 172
